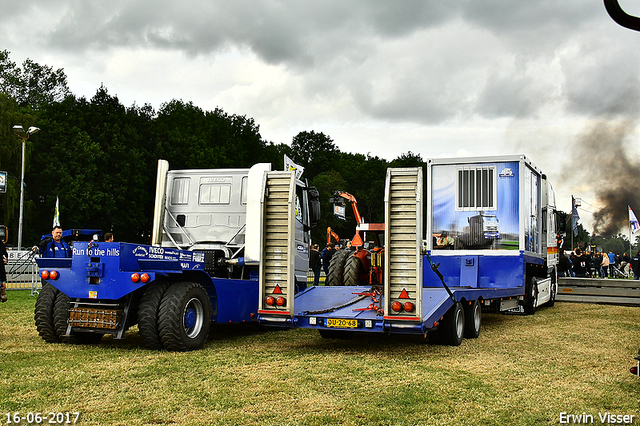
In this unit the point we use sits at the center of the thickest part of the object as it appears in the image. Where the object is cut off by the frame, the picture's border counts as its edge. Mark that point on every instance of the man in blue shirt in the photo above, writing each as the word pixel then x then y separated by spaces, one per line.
pixel 612 262
pixel 55 246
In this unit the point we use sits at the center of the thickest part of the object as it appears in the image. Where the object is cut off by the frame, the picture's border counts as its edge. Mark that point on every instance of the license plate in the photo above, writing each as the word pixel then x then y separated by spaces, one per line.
pixel 342 323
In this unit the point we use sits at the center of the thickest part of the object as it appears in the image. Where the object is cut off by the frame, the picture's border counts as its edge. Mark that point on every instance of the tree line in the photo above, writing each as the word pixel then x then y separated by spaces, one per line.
pixel 99 157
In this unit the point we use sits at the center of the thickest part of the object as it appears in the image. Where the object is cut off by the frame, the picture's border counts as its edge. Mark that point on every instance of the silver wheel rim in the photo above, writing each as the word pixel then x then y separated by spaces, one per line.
pixel 459 323
pixel 193 307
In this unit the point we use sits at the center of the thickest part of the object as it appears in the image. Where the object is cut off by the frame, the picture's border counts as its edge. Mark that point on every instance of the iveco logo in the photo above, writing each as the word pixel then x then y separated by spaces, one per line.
pixel 506 172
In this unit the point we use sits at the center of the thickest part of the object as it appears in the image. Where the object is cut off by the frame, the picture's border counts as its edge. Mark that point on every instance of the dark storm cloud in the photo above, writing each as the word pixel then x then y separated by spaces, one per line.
pixel 423 62
pixel 277 31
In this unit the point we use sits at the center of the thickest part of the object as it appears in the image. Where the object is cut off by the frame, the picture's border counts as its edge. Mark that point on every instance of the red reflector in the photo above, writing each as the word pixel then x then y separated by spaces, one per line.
pixel 408 306
pixel 277 290
pixel 44 275
pixel 135 277
pixel 53 275
pixel 280 301
pixel 270 300
pixel 144 277
pixel 404 294
pixel 396 306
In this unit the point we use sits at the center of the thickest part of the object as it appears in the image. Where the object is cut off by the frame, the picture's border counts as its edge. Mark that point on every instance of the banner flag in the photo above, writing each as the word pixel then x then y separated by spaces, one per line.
pixel 289 165
pixel 56 213
pixel 576 218
pixel 633 222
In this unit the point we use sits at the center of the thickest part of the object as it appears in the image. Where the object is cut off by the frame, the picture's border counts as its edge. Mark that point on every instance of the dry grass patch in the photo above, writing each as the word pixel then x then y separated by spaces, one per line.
pixel 522 370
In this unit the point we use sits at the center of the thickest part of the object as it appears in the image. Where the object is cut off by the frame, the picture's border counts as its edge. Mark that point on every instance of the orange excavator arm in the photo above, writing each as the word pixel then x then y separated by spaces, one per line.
pixel 352 200
pixel 331 234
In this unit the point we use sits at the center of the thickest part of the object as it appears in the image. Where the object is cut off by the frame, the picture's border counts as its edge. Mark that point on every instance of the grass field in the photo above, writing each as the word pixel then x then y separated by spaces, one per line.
pixel 523 370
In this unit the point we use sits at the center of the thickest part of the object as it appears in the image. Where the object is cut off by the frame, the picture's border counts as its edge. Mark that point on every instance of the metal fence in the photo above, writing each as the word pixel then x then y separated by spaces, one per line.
pixel 22 271
pixel 598 290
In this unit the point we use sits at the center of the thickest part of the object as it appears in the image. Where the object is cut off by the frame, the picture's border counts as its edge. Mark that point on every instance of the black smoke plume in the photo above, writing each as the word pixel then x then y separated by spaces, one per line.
pixel 600 159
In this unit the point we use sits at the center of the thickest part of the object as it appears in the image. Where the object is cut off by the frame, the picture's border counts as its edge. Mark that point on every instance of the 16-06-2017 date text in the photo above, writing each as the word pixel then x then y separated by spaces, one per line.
pixel 51 418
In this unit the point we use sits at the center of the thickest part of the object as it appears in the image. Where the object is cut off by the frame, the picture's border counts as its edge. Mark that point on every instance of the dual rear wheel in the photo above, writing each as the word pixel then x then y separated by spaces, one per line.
pixel 174 316
pixel 51 316
pixel 462 320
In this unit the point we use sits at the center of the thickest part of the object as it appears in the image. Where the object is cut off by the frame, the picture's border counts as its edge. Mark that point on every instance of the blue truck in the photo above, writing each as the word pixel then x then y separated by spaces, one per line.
pixel 426 288
pixel 202 266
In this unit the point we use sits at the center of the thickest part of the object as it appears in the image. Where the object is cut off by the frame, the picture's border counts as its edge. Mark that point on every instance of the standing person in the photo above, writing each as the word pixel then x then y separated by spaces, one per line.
pixel 315 263
pixel 563 264
pixel 579 264
pixel 108 237
pixel 589 262
pixel 612 262
pixel 54 246
pixel 3 272
pixel 604 266
pixel 635 265
pixel 327 254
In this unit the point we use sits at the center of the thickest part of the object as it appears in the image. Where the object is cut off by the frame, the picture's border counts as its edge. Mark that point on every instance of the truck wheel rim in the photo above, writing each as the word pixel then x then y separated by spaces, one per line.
pixel 193 317
pixel 476 317
pixel 459 323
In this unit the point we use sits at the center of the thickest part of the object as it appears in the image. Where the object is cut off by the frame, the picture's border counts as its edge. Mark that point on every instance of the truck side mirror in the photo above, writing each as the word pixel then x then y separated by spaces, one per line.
pixel 314 205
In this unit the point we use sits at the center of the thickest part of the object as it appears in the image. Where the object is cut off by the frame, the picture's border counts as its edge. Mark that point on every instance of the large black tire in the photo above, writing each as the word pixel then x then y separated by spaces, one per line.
pixel 184 317
pixel 61 316
pixel 148 315
pixel 453 325
pixel 336 267
pixel 353 270
pixel 43 313
pixel 472 319
pixel 531 296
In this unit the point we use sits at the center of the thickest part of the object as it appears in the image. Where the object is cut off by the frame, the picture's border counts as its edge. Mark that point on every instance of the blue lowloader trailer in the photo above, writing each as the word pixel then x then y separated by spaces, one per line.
pixel 202 268
pixel 431 286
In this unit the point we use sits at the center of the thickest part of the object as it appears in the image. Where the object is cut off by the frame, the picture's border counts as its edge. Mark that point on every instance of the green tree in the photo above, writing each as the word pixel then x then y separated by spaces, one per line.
pixel 316 152
pixel 11 160
pixel 32 85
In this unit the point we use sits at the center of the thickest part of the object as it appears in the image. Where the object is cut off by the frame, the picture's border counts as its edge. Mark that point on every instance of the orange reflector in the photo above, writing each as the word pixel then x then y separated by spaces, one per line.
pixel 396 306
pixel 270 301
pixel 44 275
pixel 135 277
pixel 357 241
pixel 408 306
pixel 277 290
pixel 280 301
pixel 144 277
pixel 53 275
pixel 404 294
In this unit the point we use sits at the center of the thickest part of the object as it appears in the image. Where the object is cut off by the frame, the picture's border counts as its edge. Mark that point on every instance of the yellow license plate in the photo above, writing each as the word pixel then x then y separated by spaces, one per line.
pixel 342 323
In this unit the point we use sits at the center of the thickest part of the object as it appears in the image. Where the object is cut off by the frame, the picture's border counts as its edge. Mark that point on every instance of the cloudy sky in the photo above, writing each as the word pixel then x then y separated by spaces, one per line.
pixel 555 80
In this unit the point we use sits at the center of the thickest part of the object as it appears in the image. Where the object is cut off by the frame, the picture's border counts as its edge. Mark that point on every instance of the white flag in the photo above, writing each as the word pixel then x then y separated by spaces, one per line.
pixel 633 222
pixel 289 165
pixel 56 214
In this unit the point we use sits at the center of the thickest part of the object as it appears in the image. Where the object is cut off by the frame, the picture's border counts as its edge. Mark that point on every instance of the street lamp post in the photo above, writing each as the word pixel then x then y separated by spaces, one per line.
pixel 24 136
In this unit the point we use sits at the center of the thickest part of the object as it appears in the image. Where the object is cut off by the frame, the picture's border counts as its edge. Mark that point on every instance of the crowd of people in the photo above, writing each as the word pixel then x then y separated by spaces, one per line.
pixel 584 263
